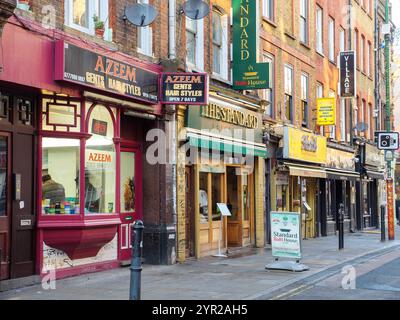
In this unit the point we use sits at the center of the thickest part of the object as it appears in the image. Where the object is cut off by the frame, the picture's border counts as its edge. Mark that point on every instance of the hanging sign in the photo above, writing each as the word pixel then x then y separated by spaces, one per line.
pixel 347 64
pixel 286 235
pixel 99 127
pixel 87 68
pixel 184 88
pixel 247 73
pixel 326 112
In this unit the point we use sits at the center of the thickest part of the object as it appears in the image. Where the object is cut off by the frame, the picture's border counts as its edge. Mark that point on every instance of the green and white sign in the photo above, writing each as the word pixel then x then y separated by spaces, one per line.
pixel 286 235
pixel 247 73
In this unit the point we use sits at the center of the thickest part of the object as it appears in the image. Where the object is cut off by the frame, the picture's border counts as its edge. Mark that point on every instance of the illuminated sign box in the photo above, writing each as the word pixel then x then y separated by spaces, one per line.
pixel 90 69
pixel 184 88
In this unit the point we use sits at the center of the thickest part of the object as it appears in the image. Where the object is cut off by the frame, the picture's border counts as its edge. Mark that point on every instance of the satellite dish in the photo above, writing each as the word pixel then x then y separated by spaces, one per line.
pixel 140 14
pixel 196 9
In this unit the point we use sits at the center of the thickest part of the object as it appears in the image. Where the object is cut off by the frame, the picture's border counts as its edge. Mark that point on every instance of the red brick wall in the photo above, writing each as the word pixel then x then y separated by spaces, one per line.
pixel 124 33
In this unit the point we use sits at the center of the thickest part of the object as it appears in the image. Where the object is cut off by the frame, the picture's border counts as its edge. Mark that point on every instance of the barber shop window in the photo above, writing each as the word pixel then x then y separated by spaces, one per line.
pixel 100 162
pixel 60 176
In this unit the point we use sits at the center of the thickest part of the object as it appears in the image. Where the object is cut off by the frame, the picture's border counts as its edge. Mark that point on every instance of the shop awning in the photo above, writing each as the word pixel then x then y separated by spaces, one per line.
pixel 305 171
pixel 230 146
pixel 342 175
pixel 376 175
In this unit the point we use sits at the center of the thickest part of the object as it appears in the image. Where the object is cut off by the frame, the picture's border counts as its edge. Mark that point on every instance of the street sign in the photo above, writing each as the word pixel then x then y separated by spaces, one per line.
pixel 286 235
pixel 347 72
pixel 388 141
pixel 248 74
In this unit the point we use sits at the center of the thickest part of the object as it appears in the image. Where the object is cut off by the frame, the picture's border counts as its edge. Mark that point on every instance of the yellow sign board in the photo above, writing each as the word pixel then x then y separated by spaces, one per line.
pixel 326 111
pixel 304 146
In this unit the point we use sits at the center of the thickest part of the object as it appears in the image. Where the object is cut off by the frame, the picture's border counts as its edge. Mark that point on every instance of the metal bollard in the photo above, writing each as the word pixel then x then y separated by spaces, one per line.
pixel 341 226
pixel 136 262
pixel 383 223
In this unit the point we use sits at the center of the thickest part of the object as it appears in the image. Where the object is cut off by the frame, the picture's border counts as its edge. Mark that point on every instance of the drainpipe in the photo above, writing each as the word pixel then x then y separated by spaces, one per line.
pixel 350 47
pixel 172 29
pixel 173 125
pixel 377 67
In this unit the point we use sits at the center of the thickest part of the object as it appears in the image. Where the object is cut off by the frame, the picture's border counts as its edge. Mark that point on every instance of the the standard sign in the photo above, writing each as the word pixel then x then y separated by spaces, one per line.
pixel 347 63
pixel 286 235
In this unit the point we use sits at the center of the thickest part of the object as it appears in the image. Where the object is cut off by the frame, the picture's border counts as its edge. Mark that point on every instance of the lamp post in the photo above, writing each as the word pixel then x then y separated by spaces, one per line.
pixel 390 191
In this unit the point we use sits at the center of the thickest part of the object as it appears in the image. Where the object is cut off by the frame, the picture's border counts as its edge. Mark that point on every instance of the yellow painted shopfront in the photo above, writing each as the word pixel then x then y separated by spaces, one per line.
pixel 299 170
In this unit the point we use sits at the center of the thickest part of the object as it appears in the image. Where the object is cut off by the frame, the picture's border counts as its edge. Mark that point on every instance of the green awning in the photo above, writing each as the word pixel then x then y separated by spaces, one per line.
pixel 227 146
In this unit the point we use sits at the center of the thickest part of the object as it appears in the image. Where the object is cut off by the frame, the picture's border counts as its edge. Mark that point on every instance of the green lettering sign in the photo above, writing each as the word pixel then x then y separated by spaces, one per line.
pixel 247 73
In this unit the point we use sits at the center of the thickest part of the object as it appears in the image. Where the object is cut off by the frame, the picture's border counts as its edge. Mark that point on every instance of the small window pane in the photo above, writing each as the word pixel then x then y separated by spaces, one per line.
pixel 128 182
pixel 60 176
pixel 61 115
pixel 100 164
pixel 216 196
pixel 203 198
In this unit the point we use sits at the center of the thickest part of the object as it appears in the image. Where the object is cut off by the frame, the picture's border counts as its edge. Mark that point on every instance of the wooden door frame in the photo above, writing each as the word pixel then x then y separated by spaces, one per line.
pixel 240 202
pixel 190 238
pixel 130 147
pixel 9 208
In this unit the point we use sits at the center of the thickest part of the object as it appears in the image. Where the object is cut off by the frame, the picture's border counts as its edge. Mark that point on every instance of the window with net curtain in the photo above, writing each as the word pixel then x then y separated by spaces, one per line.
pixel 100 163
pixel 217 41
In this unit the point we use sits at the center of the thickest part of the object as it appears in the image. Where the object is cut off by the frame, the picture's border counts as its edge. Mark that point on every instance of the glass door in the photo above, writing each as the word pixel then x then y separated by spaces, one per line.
pixel 234 203
pixel 5 208
pixel 130 188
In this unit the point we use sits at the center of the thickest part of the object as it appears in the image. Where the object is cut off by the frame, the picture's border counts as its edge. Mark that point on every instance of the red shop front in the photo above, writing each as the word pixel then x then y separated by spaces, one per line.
pixel 92 111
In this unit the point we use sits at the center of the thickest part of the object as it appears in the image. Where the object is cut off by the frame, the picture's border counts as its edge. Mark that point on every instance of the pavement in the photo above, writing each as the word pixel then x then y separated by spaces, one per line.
pixel 241 276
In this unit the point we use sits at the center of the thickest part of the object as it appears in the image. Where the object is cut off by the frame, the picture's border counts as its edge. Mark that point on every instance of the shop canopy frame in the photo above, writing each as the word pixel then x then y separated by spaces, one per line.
pixel 299 170
pixel 344 175
pixel 378 175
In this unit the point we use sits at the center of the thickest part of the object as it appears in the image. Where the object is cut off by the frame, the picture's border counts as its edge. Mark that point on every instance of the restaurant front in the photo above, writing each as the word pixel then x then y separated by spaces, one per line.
pixel 220 160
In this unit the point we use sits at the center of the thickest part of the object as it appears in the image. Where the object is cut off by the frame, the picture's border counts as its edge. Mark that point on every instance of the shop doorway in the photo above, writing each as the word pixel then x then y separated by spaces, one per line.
pixel 17 195
pixel 5 206
pixel 131 204
pixel 311 208
pixel 239 190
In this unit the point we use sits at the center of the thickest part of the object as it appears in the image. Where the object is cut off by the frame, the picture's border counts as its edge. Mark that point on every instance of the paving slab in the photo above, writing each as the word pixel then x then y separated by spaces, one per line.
pixel 240 276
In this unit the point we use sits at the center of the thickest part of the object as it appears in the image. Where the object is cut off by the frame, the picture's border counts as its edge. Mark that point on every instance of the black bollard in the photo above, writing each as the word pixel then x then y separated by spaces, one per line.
pixel 383 223
pixel 341 226
pixel 136 262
